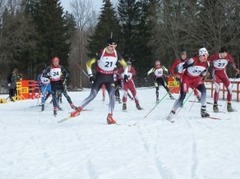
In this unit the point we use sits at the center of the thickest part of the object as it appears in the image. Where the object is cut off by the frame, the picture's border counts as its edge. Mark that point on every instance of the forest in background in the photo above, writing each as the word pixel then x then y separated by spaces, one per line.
pixel 33 31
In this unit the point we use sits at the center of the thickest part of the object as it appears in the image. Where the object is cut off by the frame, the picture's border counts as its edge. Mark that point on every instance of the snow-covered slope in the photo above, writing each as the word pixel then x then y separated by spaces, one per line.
pixel 34 145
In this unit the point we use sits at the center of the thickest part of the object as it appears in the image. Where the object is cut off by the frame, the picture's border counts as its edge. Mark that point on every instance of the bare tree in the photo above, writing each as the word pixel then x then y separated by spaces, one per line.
pixel 85 19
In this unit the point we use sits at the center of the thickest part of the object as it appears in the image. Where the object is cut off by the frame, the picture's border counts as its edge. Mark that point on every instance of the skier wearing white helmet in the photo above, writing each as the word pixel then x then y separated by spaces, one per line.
pixel 195 69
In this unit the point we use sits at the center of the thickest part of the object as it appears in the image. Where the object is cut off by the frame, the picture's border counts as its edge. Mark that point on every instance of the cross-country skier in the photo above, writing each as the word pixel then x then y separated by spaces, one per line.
pixel 106 61
pixel 45 87
pixel 195 69
pixel 158 71
pixel 175 70
pixel 57 75
pixel 12 80
pixel 219 62
pixel 128 84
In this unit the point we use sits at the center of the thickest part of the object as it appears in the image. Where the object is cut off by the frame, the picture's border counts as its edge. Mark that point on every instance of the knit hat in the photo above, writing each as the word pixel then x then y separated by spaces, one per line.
pixel 223 49
pixel 111 42
pixel 55 59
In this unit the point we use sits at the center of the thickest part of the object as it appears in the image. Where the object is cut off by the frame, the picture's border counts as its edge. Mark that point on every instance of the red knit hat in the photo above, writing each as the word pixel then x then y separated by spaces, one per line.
pixel 55 59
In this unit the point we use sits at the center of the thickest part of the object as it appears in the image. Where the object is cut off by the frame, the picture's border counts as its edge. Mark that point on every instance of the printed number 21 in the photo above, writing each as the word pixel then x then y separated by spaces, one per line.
pixel 108 64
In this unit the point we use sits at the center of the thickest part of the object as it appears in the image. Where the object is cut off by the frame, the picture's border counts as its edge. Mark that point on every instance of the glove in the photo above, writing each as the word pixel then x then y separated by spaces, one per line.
pixel 48 75
pixel 125 78
pixel 91 79
pixel 9 84
pixel 164 68
pixel 64 81
pixel 188 63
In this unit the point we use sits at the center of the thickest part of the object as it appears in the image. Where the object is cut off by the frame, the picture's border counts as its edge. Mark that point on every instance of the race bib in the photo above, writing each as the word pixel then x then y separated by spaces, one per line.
pixel 55 74
pixel 158 72
pixel 220 64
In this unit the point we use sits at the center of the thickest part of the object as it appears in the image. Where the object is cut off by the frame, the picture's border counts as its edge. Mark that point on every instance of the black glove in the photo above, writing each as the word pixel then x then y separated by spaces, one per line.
pixel 91 79
pixel 47 75
pixel 188 63
pixel 125 78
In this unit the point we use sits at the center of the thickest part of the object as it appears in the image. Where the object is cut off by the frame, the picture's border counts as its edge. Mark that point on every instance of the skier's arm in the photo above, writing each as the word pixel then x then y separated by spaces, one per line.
pixel 188 63
pixel 233 64
pixel 150 71
pixel 124 65
pixel 46 73
pixel 173 66
pixel 165 69
pixel 64 72
pixel 89 66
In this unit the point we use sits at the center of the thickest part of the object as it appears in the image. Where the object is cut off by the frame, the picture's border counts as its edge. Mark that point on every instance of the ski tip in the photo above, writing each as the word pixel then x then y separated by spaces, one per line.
pixel 65 119
pixel 169 120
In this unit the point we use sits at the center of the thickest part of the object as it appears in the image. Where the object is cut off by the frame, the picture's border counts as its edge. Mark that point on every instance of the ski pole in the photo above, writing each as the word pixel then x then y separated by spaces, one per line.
pixel 185 100
pixel 192 102
pixel 82 70
pixel 129 96
pixel 155 105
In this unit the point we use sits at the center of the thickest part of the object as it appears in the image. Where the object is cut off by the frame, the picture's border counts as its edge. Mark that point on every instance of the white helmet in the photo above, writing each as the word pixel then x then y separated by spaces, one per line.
pixel 202 51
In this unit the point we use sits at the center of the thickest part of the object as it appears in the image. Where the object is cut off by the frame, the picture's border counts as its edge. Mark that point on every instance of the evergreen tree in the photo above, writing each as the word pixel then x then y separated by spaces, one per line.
pixel 144 53
pixel 106 27
pixel 16 38
pixel 137 28
pixel 129 13
pixel 53 37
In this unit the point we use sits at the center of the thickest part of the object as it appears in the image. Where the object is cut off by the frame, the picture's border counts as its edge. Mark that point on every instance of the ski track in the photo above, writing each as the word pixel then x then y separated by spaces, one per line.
pixel 194 164
pixel 152 150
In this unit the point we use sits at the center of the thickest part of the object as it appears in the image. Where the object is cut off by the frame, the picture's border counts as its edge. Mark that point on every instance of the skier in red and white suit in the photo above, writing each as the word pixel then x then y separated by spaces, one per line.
pixel 177 65
pixel 219 62
pixel 128 84
pixel 195 70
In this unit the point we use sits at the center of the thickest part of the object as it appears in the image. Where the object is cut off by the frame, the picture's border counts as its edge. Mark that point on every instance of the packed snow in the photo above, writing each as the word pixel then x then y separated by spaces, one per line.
pixel 35 145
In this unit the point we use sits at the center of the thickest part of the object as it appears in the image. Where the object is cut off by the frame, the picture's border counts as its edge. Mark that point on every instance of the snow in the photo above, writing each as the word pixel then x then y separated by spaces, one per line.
pixel 35 145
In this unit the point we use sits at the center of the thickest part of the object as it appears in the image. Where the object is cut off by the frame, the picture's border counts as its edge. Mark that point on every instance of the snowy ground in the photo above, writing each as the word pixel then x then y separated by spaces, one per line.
pixel 33 145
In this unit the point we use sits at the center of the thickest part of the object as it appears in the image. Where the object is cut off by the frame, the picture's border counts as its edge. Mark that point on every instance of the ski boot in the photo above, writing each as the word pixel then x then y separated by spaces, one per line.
pixel 76 112
pixel 171 97
pixel 124 107
pixel 139 107
pixel 73 106
pixel 229 107
pixel 55 111
pixel 157 100
pixel 119 100
pixel 199 99
pixel 110 119
pixel 204 114
pixel 181 105
pixel 170 116
pixel 215 107
pixel 43 107
pixel 13 99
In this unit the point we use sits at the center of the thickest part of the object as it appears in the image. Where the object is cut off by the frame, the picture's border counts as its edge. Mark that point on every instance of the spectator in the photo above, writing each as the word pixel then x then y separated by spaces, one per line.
pixel 13 77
